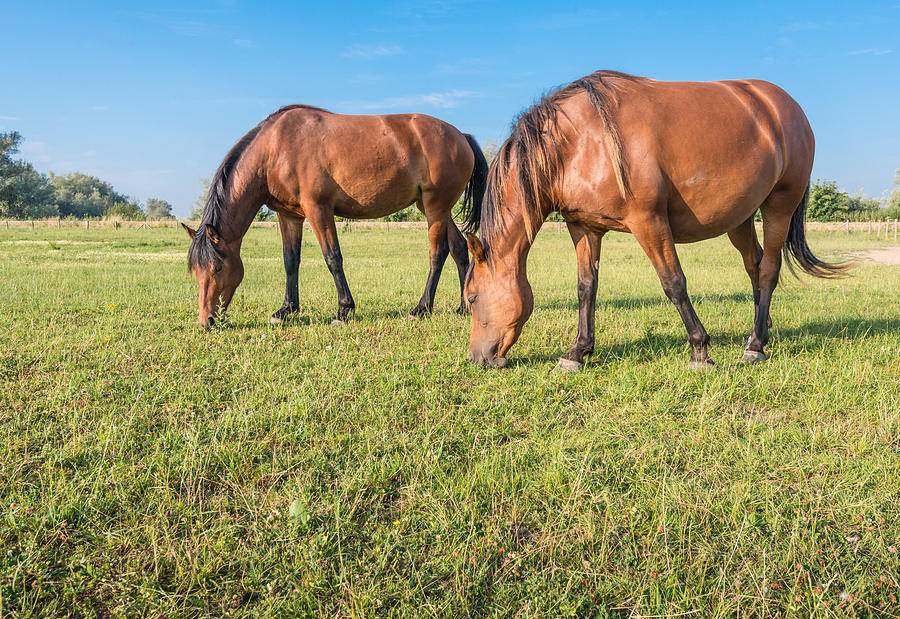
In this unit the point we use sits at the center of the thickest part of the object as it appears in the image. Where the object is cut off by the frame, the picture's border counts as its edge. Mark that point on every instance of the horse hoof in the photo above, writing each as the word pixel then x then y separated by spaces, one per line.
pixel 567 366
pixel 699 366
pixel 338 322
pixel 751 356
pixel 275 320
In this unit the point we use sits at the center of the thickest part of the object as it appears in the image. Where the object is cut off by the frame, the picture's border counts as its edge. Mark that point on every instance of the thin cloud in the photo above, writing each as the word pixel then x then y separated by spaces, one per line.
pixel 802 26
pixel 245 43
pixel 447 99
pixel 9 118
pixel 372 51
pixel 99 108
pixel 875 51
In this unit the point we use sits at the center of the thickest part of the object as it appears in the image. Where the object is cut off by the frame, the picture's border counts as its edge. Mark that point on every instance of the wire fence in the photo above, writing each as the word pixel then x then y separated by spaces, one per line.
pixel 887 229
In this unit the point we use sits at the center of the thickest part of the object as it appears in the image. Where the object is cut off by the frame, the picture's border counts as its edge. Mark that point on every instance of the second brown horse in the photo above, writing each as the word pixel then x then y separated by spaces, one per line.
pixel 669 162
pixel 308 164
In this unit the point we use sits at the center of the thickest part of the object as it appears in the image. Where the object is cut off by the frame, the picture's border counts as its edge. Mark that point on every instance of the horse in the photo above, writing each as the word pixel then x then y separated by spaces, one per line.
pixel 306 163
pixel 668 162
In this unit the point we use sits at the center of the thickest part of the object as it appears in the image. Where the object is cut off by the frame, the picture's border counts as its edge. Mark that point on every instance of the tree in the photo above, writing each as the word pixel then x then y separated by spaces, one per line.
pixel 157 209
pixel 827 202
pixel 81 195
pixel 490 150
pixel 894 201
pixel 129 210
pixel 200 202
pixel 25 193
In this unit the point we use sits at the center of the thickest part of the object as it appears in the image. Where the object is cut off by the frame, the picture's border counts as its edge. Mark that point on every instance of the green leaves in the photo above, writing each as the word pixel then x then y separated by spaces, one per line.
pixel 298 512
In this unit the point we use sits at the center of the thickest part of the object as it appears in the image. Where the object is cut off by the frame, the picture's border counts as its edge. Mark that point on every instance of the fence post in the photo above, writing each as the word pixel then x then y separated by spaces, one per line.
pixel 87 224
pixel 870 226
pixel 32 224
pixel 895 231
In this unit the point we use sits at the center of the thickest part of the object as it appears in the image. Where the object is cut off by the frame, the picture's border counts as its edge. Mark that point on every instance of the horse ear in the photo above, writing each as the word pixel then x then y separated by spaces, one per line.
pixel 475 247
pixel 191 232
pixel 212 233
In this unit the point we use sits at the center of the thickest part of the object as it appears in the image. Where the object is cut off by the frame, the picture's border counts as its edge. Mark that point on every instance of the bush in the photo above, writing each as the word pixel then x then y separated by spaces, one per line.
pixel 410 213
pixel 129 211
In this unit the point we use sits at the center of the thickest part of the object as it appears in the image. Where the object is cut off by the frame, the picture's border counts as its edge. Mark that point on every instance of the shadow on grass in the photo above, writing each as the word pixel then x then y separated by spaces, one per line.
pixel 654 301
pixel 652 345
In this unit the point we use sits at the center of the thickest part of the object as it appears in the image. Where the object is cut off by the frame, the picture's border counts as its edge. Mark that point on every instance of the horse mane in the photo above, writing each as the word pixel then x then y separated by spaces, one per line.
pixel 533 146
pixel 202 251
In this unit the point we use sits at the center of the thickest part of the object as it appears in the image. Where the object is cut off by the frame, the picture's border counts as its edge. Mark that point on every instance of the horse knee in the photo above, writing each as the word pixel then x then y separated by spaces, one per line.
pixel 335 261
pixel 675 289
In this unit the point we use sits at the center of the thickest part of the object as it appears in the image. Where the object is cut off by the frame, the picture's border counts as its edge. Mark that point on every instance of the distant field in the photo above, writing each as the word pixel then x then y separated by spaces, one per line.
pixel 150 468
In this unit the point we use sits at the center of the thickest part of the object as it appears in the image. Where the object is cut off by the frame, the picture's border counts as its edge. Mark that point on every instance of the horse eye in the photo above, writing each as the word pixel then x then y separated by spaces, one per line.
pixel 217 268
pixel 472 299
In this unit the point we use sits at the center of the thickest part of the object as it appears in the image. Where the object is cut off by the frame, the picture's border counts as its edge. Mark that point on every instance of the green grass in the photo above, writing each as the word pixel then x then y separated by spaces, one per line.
pixel 150 468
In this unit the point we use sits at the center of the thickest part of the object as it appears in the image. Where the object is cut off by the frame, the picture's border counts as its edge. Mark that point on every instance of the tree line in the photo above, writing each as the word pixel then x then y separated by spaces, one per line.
pixel 25 193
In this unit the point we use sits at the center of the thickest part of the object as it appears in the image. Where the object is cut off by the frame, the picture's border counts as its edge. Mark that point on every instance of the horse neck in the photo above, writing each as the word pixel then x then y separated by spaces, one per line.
pixel 246 196
pixel 514 242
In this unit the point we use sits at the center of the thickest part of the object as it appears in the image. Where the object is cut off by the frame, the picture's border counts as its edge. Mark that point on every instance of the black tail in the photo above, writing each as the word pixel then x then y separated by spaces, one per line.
pixel 474 194
pixel 797 251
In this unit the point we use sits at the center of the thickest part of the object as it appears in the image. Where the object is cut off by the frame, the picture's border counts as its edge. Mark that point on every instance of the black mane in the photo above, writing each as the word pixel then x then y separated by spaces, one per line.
pixel 533 147
pixel 202 251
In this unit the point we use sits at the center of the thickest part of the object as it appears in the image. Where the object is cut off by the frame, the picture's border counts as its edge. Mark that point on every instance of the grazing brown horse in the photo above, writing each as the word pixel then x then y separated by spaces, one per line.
pixel 669 162
pixel 308 164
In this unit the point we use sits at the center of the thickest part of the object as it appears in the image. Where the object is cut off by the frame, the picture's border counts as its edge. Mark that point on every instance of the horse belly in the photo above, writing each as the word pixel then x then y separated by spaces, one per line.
pixel 713 210
pixel 375 188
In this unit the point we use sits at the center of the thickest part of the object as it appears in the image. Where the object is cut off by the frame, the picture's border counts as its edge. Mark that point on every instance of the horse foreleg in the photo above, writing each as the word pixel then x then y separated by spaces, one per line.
pixel 460 253
pixel 322 223
pixel 587 251
pixel 656 240
pixel 439 248
pixel 291 239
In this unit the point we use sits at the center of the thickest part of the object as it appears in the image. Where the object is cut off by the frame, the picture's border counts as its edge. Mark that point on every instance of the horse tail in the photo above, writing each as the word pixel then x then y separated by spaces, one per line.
pixel 473 197
pixel 796 251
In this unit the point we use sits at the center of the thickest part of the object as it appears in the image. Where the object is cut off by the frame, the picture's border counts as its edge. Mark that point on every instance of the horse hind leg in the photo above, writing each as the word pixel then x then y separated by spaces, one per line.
pixel 744 240
pixel 777 211
pixel 439 249
pixel 459 251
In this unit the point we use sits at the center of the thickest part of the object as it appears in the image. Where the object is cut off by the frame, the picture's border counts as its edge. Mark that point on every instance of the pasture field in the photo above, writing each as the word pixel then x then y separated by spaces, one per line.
pixel 150 468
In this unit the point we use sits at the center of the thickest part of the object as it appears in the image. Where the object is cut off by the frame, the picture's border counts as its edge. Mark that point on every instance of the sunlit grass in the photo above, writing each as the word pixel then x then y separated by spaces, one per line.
pixel 151 468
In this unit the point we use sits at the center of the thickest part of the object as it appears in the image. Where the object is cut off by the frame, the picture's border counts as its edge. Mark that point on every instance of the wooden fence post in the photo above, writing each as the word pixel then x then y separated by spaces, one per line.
pixel 870 226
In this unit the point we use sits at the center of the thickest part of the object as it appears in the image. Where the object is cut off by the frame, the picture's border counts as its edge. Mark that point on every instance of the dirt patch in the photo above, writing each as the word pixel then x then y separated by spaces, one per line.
pixel 888 255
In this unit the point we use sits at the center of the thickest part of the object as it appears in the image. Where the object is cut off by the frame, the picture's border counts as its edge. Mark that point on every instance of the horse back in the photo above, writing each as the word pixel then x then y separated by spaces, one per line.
pixel 709 152
pixel 362 165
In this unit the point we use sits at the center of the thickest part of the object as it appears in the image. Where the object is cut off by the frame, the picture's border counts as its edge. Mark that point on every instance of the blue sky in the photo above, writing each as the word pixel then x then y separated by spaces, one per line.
pixel 151 97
